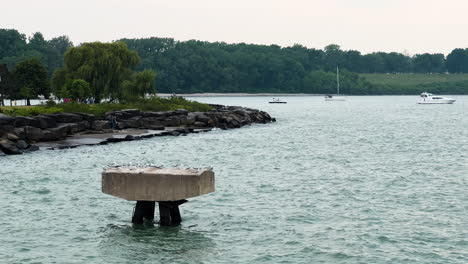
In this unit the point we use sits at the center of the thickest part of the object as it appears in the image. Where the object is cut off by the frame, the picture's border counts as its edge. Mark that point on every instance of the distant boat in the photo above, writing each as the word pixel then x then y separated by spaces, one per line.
pixel 428 98
pixel 277 101
pixel 336 97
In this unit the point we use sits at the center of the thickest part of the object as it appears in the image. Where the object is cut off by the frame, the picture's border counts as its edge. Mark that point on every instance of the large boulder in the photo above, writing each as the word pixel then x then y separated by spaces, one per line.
pixel 133 122
pixel 67 118
pixel 9 147
pixel 83 125
pixel 21 144
pixel 46 121
pixel 203 118
pixel 19 132
pixel 6 120
pixel 190 120
pixel 101 124
pixel 183 120
pixel 59 132
pixel 181 111
pixel 172 121
pixel 87 117
pixel 6 129
pixel 32 148
pixel 199 124
pixel 131 112
pixel 33 133
pixel 154 114
pixel 151 122
pixel 22 121
pixel 123 114
pixel 11 136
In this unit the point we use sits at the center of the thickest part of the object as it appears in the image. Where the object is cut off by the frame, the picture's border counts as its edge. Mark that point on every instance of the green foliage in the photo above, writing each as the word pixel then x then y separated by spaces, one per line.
pixel 27 92
pixel 412 84
pixel 105 66
pixel 78 90
pixel 457 61
pixel 8 88
pixel 15 48
pixel 31 77
pixel 321 82
pixel 429 63
pixel 61 44
pixel 50 103
pixel 140 85
pixel 153 104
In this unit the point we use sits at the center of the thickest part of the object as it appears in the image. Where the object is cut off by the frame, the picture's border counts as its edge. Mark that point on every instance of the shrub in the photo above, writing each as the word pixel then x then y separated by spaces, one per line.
pixel 153 104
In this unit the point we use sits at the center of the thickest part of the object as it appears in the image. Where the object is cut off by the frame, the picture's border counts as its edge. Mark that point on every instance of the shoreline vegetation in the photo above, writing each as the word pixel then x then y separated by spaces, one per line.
pixel 99 110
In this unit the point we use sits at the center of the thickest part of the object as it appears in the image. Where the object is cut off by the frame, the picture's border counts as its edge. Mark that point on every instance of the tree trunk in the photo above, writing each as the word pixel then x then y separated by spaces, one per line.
pixel 28 102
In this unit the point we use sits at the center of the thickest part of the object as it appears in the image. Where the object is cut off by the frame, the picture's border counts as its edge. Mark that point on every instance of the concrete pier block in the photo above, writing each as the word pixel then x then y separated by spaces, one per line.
pixel 156 184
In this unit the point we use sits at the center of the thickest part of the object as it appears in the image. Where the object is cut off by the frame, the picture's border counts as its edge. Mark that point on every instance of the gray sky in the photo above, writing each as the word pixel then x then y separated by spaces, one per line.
pixel 408 26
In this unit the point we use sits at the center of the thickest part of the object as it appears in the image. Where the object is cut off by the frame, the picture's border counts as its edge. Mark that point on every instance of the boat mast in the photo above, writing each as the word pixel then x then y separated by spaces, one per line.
pixel 337 80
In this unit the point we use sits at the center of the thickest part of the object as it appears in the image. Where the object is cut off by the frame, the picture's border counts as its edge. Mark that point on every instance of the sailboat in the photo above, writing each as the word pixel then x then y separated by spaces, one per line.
pixel 336 97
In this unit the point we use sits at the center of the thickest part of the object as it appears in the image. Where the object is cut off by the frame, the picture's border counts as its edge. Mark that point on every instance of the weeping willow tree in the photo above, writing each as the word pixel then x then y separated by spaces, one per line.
pixel 107 67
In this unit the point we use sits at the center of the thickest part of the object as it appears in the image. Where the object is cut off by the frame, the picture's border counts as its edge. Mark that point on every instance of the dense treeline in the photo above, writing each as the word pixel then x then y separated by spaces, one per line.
pixel 198 66
pixel 15 48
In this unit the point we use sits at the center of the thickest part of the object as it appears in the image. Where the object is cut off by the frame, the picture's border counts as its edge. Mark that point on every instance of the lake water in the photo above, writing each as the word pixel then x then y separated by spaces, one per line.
pixel 369 180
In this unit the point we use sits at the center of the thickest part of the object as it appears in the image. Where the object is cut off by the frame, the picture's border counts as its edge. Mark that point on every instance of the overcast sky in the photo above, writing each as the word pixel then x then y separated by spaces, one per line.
pixel 408 26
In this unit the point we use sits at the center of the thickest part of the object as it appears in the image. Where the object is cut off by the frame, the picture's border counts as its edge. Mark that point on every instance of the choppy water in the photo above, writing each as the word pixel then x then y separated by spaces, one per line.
pixel 370 180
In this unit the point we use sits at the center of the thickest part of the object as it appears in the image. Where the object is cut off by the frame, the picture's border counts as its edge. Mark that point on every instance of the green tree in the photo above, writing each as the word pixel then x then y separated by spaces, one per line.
pixel 141 84
pixel 105 66
pixel 12 43
pixel 457 61
pixel 8 89
pixel 62 92
pixel 61 44
pixel 78 90
pixel 429 63
pixel 334 57
pixel 31 77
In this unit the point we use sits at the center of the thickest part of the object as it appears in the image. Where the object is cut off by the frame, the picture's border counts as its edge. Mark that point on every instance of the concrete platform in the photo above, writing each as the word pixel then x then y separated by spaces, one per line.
pixel 157 184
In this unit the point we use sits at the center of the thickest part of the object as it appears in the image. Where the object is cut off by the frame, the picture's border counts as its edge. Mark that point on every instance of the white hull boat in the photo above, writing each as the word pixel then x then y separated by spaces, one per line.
pixel 428 98
pixel 277 101
pixel 335 98
pixel 330 97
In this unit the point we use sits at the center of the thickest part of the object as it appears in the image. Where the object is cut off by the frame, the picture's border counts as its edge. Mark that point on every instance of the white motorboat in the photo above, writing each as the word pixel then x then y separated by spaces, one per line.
pixel 277 101
pixel 428 98
pixel 336 97
pixel 330 97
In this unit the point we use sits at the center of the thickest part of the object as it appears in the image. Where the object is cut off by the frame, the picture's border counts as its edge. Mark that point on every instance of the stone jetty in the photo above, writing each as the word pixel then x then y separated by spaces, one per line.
pixel 23 134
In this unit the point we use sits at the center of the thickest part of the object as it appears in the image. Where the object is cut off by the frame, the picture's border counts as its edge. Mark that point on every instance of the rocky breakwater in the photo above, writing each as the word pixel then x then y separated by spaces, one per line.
pixel 19 134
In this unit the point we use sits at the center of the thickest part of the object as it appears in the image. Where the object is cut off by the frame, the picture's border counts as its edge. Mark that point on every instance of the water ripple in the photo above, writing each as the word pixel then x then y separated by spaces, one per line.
pixel 371 180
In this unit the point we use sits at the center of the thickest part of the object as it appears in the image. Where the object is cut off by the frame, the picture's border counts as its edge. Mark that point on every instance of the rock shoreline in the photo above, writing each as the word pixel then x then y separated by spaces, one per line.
pixel 21 134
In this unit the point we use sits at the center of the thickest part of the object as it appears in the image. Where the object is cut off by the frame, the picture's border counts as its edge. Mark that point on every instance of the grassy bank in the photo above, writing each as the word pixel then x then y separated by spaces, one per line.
pixel 396 84
pixel 154 104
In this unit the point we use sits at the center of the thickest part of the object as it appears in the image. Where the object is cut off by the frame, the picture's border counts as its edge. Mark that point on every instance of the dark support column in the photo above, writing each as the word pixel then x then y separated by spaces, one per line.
pixel 165 214
pixel 143 210
pixel 169 212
